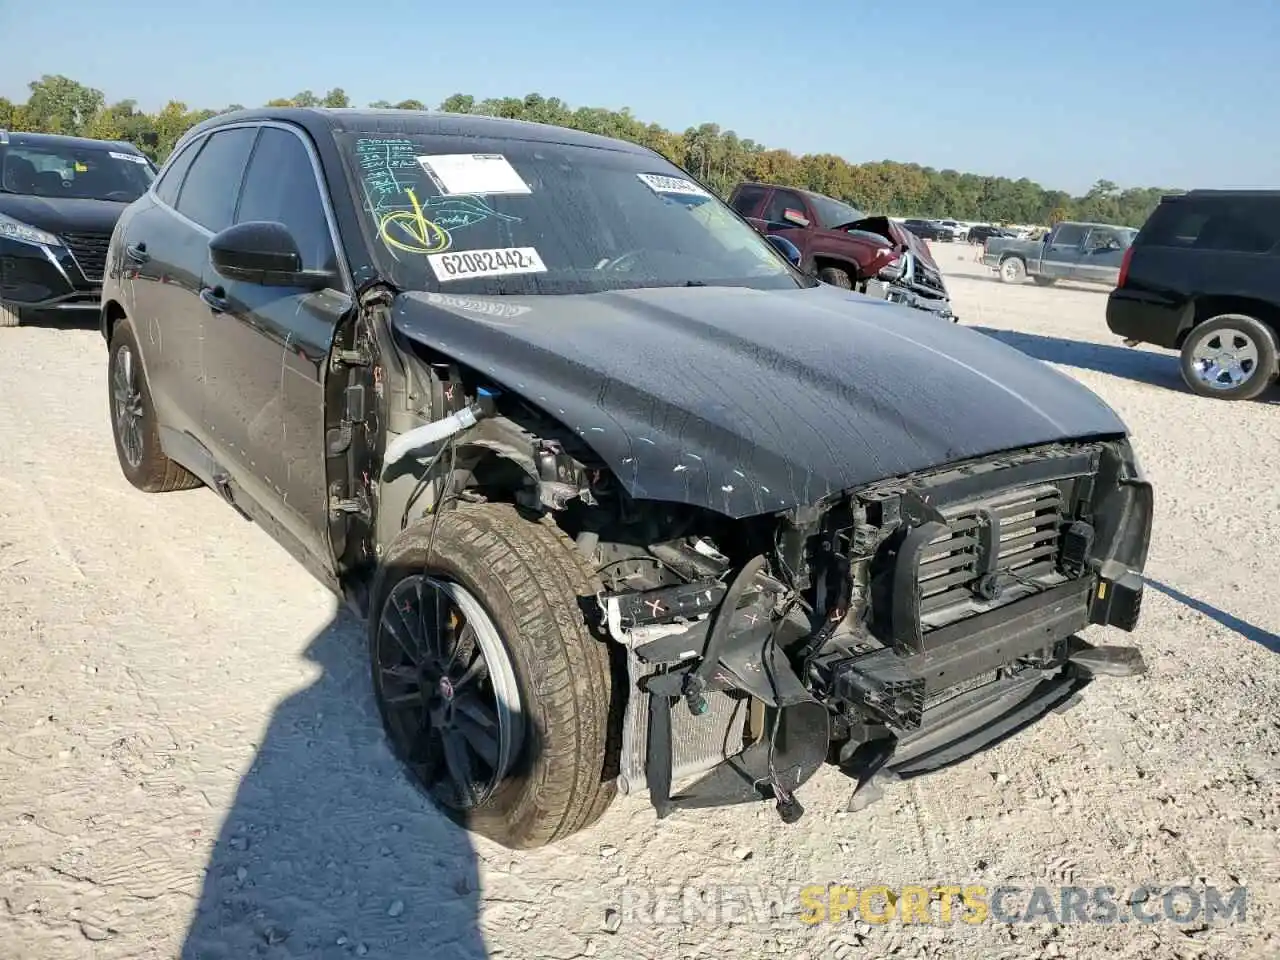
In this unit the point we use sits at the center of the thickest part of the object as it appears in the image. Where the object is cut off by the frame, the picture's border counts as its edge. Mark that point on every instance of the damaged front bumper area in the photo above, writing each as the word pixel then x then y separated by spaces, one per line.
pixel 920 287
pixel 891 631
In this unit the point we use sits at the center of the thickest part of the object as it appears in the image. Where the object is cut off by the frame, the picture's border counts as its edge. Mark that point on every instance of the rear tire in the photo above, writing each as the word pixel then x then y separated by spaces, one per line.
pixel 527 585
pixel 133 420
pixel 836 277
pixel 9 316
pixel 1013 270
pixel 1232 356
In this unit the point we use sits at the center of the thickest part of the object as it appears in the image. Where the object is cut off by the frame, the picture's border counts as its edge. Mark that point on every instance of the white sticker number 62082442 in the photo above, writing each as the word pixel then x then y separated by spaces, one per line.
pixel 464 264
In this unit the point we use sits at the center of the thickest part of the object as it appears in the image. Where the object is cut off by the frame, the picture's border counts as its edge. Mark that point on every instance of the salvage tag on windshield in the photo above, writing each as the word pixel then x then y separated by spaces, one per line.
pixel 131 157
pixel 473 174
pixel 462 265
pixel 662 184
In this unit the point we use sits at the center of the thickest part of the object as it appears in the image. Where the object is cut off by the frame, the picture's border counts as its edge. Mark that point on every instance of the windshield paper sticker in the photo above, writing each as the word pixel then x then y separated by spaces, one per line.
pixel 131 157
pixel 662 184
pixel 485 263
pixel 473 174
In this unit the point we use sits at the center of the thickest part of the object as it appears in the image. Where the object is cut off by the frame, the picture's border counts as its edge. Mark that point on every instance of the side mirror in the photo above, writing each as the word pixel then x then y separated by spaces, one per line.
pixel 787 249
pixel 795 217
pixel 263 252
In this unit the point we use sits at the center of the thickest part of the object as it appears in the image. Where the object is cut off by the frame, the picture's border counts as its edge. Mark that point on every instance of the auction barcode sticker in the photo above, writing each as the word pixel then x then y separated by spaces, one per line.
pixel 463 265
pixel 473 174
pixel 131 157
pixel 659 183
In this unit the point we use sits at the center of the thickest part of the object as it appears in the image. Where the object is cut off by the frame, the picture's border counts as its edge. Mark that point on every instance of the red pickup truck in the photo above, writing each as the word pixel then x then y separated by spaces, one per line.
pixel 843 246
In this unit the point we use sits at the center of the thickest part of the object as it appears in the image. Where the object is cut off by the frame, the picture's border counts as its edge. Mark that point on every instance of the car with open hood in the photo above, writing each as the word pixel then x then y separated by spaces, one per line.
pixel 843 246
pixel 60 198
pixel 629 502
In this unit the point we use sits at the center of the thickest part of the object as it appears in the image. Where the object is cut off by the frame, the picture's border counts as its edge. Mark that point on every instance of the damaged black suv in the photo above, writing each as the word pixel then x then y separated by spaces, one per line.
pixel 628 501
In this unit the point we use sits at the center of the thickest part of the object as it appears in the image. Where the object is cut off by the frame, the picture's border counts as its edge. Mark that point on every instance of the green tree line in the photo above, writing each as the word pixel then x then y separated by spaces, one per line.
pixel 719 158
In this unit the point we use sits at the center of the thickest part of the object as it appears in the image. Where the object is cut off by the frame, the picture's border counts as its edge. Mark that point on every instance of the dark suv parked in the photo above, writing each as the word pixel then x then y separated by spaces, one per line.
pixel 630 502
pixel 1203 277
pixel 59 200
pixel 924 229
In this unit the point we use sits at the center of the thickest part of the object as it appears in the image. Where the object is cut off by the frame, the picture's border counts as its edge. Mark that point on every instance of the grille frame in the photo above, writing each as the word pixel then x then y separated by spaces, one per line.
pixel 1015 534
pixel 987 552
pixel 89 251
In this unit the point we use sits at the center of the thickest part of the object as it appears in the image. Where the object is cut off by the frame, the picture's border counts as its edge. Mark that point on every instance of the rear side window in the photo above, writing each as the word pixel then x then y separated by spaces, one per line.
pixel 1068 235
pixel 747 199
pixel 208 194
pixel 170 181
pixel 281 185
pixel 1236 225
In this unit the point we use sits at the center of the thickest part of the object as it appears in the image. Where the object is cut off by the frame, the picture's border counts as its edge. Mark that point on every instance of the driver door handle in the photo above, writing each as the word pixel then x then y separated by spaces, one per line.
pixel 137 252
pixel 215 298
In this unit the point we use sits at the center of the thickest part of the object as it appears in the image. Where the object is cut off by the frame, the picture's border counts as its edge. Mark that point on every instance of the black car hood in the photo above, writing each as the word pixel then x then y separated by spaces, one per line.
pixel 62 214
pixel 747 401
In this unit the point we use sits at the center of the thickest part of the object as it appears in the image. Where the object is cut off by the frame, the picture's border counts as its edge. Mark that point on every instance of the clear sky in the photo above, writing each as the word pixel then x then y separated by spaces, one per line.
pixel 1178 93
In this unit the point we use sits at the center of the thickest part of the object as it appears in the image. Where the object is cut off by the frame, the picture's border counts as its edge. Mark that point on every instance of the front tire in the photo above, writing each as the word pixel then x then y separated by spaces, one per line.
pixel 836 277
pixel 1232 356
pixel 493 691
pixel 1013 270
pixel 133 420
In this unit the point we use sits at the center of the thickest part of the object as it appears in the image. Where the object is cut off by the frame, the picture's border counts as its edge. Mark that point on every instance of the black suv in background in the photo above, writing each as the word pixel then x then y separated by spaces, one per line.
pixel 60 198
pixel 1203 277
pixel 924 229
pixel 985 231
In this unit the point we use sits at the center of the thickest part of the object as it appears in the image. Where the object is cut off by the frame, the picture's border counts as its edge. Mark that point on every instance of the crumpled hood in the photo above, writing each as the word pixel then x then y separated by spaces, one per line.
pixel 915 244
pixel 747 401
pixel 896 233
pixel 63 214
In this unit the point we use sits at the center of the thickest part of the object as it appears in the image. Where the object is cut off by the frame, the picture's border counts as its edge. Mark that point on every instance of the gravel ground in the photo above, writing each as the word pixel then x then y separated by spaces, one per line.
pixel 192 764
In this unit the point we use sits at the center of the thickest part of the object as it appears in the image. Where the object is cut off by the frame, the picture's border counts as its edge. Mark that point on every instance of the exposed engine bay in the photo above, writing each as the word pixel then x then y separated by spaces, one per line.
pixel 889 630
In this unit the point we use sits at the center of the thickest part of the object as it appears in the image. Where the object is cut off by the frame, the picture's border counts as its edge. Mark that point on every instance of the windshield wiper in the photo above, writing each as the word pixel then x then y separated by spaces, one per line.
pixel 695 283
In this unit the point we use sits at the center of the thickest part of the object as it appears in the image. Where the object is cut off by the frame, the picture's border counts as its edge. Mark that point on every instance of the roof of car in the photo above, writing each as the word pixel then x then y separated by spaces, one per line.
pixel 1224 194
pixel 800 190
pixel 59 140
pixel 1090 223
pixel 320 120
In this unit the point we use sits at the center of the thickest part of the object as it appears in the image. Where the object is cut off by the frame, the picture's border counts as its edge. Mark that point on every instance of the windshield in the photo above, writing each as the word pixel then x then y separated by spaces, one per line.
pixel 833 213
pixel 83 173
pixel 524 217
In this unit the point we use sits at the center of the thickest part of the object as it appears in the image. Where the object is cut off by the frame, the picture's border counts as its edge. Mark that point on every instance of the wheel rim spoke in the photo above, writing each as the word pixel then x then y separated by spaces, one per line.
pixel 458 762
pixel 477 712
pixel 424 747
pixel 481 740
pixel 465 636
pixel 475 669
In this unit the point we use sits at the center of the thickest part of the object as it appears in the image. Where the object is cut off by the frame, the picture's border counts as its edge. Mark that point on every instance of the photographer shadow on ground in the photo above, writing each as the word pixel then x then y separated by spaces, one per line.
pixel 1130 363
pixel 329 850
pixel 1249 631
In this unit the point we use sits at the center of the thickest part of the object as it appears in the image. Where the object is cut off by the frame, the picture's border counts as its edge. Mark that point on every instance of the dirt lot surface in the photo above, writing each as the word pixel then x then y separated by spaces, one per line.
pixel 191 765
